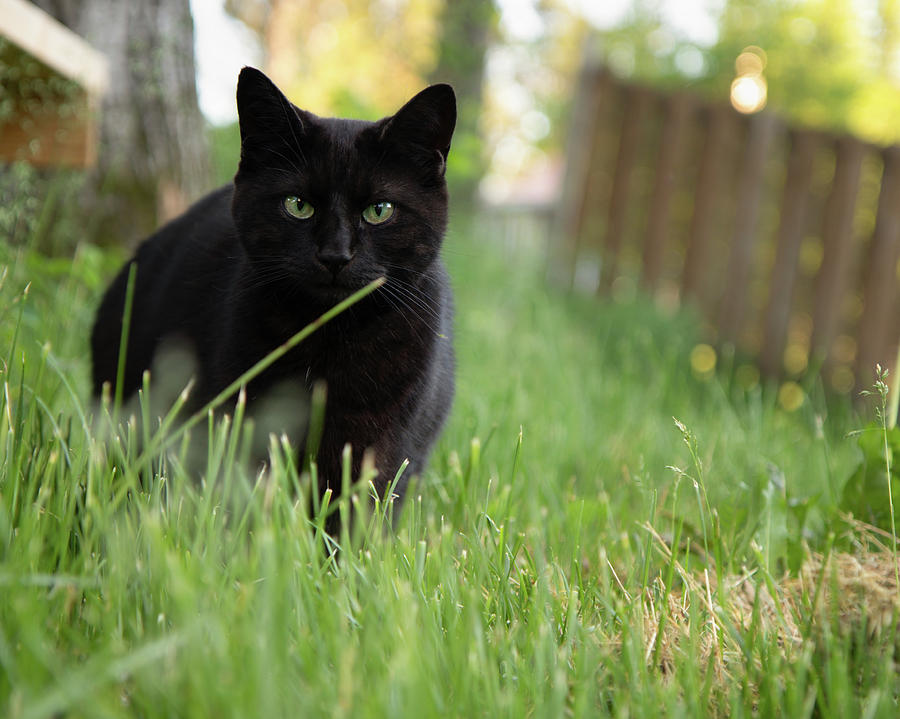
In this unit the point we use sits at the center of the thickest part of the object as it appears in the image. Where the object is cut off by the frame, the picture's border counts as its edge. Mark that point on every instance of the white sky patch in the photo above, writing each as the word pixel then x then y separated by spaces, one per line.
pixel 521 19
pixel 222 45
pixel 691 20
pixel 694 20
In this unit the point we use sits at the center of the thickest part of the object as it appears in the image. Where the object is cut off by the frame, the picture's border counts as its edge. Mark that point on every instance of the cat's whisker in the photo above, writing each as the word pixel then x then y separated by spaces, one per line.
pixel 399 309
pixel 391 295
pixel 287 174
pixel 415 299
pixel 414 292
pixel 287 159
pixel 410 270
pixel 409 312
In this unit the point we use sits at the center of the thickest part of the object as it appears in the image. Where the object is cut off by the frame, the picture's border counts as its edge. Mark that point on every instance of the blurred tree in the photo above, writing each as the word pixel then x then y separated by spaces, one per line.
pixel 465 30
pixel 527 99
pixel 365 58
pixel 345 57
pixel 152 150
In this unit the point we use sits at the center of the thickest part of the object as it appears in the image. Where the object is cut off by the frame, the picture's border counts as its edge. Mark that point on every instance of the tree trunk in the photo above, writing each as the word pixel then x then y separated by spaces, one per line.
pixel 152 159
pixel 466 27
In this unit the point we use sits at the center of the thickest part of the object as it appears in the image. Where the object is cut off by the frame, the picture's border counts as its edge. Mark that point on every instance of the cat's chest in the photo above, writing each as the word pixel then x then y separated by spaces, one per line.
pixel 363 365
pixel 366 365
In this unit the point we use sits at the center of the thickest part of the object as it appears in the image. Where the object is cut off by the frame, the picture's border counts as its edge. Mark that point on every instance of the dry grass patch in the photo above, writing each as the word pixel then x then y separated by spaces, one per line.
pixel 848 594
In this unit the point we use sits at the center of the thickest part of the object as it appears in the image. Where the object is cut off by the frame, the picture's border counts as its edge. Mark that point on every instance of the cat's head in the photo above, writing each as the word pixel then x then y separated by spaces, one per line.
pixel 325 205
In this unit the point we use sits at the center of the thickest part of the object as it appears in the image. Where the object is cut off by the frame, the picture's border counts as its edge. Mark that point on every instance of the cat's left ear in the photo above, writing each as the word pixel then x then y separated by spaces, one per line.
pixel 426 122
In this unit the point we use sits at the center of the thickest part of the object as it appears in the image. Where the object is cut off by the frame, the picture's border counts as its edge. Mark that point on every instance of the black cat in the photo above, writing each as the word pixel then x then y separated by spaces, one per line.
pixel 318 209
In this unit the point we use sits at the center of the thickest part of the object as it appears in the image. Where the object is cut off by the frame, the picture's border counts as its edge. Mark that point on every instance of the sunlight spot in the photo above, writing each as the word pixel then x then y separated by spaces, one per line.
pixel 791 396
pixel 703 361
pixel 749 89
pixel 748 94
pixel 747 376
pixel 535 125
pixel 623 290
pixel 843 349
pixel 689 61
pixel 751 61
pixel 796 358
pixel 668 297
pixel 842 379
pixel 811 252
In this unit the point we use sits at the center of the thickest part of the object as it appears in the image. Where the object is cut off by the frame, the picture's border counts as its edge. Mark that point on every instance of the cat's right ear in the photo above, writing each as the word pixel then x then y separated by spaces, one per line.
pixel 426 124
pixel 267 118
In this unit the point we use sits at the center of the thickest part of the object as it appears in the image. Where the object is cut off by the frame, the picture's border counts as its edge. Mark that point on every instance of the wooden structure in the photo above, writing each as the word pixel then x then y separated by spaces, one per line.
pixel 784 238
pixel 50 84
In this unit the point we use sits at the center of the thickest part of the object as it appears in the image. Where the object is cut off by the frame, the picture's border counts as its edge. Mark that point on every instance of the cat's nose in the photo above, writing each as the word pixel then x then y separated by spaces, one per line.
pixel 334 259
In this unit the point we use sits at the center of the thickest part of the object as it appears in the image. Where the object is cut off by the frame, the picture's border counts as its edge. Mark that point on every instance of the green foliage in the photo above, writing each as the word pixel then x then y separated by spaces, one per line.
pixel 35 207
pixel 828 65
pixel 869 493
pixel 819 70
pixel 224 151
pixel 866 492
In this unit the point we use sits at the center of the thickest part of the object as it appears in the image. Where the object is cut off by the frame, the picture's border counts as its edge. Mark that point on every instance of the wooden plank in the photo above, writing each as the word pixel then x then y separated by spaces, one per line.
pixel 594 85
pixel 707 199
pixel 791 230
pixel 671 147
pixel 637 101
pixel 837 245
pixel 54 44
pixel 751 184
pixel 44 137
pixel 876 338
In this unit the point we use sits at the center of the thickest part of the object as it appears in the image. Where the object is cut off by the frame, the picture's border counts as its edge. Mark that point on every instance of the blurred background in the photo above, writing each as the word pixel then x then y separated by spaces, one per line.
pixel 734 155
pixel 828 63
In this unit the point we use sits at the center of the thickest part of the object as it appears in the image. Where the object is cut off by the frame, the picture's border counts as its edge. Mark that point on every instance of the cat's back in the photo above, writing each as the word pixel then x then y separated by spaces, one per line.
pixel 181 273
pixel 203 233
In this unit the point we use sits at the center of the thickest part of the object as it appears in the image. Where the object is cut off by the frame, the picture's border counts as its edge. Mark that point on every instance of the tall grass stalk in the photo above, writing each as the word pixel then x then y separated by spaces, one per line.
pixel 123 339
pixel 882 388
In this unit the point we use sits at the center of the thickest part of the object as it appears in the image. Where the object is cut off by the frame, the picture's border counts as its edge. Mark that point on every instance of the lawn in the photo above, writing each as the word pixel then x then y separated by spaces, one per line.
pixel 602 531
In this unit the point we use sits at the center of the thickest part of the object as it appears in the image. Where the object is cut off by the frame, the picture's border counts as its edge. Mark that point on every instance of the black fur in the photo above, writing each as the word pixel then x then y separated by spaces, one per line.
pixel 236 275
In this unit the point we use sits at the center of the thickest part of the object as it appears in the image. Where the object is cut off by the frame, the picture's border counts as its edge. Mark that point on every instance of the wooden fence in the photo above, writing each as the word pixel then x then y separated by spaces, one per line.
pixel 786 239
pixel 52 83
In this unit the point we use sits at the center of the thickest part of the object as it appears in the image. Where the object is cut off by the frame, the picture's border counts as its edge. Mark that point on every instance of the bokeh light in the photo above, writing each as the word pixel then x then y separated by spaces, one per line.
pixel 703 361
pixel 748 93
pixel 791 396
pixel 749 90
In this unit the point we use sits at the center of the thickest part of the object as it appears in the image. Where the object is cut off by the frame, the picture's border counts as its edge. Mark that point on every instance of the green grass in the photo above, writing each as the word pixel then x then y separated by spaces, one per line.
pixel 572 549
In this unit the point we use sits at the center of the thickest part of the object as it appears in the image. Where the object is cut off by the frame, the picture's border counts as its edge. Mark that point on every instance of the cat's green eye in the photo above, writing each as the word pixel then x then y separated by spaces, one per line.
pixel 378 212
pixel 298 208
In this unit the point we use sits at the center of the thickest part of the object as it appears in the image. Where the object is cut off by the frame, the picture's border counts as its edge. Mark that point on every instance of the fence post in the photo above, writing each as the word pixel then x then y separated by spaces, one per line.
pixel 837 246
pixel 792 227
pixel 637 100
pixel 751 181
pixel 878 326
pixel 706 200
pixel 671 147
